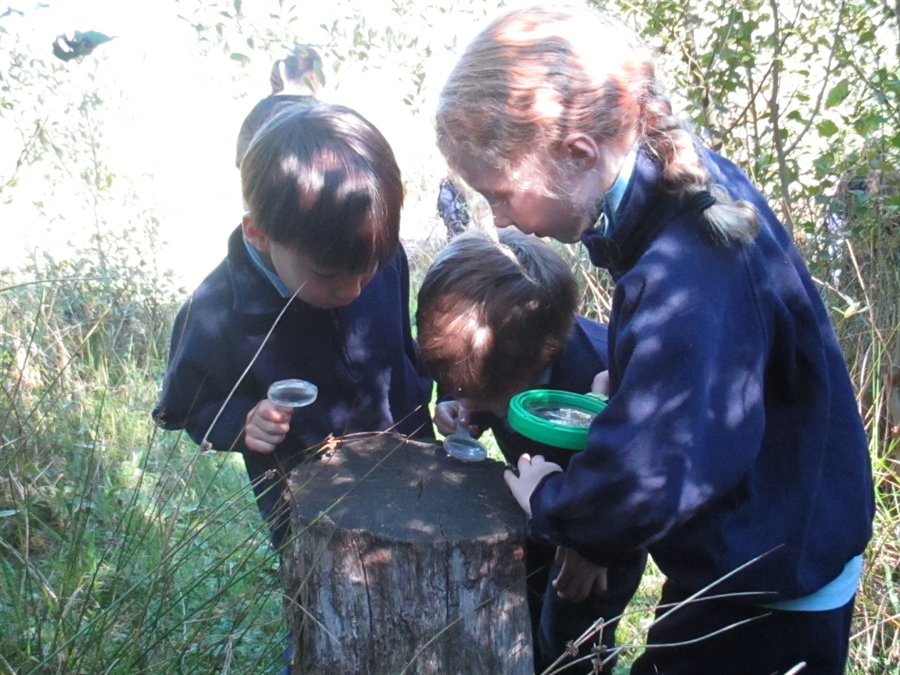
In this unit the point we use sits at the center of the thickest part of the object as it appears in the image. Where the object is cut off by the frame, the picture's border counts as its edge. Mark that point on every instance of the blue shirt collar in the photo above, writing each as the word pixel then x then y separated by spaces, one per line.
pixel 261 266
pixel 612 200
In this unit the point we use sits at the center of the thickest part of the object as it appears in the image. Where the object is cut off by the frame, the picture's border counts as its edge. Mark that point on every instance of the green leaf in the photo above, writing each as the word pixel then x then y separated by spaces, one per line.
pixel 240 58
pixel 853 307
pixel 320 74
pixel 827 128
pixel 838 93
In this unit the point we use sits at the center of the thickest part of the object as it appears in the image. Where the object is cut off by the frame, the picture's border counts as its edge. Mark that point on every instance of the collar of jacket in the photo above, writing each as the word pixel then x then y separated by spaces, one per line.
pixel 644 211
pixel 637 221
pixel 252 291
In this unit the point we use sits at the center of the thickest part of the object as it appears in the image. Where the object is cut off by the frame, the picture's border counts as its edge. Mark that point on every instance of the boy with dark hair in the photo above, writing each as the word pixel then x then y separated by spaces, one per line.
pixel 315 286
pixel 497 317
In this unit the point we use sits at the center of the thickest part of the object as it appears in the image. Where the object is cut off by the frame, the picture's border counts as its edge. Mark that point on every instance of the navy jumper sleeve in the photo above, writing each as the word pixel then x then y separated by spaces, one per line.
pixel 203 392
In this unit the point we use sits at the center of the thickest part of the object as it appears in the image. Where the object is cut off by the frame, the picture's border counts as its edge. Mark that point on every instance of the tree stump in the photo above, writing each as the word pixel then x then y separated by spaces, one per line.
pixel 405 560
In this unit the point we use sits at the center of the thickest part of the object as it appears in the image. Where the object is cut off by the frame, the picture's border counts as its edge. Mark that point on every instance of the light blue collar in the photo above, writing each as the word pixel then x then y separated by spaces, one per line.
pixel 261 266
pixel 613 198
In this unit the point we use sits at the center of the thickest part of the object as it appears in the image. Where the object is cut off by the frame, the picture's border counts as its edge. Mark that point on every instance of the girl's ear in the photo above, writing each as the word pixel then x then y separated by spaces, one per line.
pixel 254 236
pixel 582 151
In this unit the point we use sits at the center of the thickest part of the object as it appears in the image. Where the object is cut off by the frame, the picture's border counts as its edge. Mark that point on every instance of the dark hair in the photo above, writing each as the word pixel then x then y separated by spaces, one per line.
pixel 492 315
pixel 321 179
pixel 302 62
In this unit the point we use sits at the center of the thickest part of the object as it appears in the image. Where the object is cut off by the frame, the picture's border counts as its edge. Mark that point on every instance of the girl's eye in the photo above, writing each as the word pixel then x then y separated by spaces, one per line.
pixel 496 200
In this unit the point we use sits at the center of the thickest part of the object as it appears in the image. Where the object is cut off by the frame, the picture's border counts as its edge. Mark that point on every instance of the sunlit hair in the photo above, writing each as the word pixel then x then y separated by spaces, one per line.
pixel 535 75
pixel 299 67
pixel 492 315
pixel 322 180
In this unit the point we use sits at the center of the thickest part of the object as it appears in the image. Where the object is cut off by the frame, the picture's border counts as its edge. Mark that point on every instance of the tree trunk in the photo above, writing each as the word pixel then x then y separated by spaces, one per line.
pixel 405 560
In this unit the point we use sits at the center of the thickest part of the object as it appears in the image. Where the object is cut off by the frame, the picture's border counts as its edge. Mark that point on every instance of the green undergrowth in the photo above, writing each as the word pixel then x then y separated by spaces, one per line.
pixel 122 550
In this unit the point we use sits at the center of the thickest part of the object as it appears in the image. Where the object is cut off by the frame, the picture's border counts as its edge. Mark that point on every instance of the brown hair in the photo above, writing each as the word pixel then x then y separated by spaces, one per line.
pixel 492 315
pixel 323 180
pixel 535 75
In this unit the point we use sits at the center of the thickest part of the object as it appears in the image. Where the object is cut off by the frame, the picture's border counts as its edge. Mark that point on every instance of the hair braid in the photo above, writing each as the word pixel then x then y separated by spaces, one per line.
pixel 684 174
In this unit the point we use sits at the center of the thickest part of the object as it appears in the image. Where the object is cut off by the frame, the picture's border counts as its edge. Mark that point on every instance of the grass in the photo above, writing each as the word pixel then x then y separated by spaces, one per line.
pixel 121 551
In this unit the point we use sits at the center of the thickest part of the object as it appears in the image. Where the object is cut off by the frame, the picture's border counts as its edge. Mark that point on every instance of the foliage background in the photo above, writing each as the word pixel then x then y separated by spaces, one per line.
pixel 125 551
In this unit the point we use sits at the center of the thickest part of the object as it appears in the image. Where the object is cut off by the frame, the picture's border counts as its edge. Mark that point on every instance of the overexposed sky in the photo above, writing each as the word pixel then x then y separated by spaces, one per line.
pixel 173 136
pixel 175 131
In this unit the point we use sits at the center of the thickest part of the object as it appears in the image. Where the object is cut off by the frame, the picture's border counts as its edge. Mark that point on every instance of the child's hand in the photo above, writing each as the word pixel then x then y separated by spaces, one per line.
pixel 578 578
pixel 600 385
pixel 531 472
pixel 267 425
pixel 448 415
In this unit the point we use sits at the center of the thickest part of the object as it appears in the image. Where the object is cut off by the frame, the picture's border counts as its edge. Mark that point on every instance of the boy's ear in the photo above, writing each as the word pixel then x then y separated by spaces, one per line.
pixel 254 236
pixel 582 151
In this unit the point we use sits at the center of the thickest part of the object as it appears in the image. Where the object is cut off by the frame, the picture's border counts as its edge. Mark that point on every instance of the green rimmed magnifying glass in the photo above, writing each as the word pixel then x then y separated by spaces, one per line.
pixel 558 418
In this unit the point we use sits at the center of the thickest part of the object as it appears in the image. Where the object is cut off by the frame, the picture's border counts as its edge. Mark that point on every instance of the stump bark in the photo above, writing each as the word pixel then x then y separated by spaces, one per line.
pixel 405 560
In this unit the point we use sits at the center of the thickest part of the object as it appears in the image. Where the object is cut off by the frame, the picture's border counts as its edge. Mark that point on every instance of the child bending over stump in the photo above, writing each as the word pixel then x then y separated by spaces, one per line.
pixel 315 286
pixel 496 318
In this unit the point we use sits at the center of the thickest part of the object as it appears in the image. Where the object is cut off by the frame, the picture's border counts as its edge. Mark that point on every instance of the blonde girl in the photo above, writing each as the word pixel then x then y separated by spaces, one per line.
pixel 732 447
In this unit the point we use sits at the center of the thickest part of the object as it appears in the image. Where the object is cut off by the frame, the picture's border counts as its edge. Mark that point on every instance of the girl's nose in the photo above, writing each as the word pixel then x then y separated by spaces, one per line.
pixel 501 219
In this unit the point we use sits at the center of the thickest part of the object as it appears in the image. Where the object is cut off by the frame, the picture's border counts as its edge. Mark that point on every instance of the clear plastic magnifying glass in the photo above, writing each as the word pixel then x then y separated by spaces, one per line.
pixel 460 445
pixel 292 393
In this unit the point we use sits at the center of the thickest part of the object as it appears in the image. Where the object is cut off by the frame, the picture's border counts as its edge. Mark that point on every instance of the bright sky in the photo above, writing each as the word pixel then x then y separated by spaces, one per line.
pixel 179 122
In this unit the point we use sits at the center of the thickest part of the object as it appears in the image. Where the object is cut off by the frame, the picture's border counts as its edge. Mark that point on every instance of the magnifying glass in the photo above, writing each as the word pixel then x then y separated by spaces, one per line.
pixel 292 393
pixel 460 445
pixel 554 417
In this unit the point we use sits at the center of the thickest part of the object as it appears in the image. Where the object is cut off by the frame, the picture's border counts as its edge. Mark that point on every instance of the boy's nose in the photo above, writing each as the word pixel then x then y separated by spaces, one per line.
pixel 350 290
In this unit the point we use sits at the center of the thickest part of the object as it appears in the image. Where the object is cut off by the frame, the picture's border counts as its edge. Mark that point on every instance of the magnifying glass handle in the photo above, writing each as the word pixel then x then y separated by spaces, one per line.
pixel 462 429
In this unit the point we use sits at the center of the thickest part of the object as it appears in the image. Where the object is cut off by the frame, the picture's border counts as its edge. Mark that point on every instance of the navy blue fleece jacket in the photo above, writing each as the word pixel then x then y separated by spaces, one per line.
pixel 362 358
pixel 732 429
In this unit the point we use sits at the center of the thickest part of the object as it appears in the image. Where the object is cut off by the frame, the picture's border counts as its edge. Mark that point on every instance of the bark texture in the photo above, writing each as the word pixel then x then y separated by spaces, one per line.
pixel 404 560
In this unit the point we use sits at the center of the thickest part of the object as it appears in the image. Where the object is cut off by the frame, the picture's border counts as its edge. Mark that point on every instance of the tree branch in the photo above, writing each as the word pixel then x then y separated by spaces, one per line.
pixel 774 114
